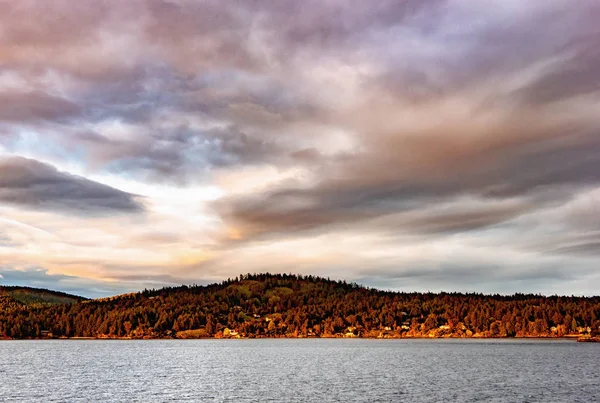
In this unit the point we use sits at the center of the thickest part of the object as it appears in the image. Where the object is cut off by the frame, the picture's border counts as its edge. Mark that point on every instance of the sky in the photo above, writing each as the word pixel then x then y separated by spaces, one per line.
pixel 407 145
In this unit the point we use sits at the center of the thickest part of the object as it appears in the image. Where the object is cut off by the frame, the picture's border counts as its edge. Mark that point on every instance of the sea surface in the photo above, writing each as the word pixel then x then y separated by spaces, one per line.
pixel 299 370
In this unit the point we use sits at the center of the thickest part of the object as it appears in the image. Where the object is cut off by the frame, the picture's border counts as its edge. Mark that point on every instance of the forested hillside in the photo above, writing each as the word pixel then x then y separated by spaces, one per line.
pixel 266 305
pixel 33 296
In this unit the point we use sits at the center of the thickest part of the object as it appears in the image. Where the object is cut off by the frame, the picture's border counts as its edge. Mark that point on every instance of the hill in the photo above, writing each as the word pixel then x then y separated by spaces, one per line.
pixel 280 305
pixel 36 296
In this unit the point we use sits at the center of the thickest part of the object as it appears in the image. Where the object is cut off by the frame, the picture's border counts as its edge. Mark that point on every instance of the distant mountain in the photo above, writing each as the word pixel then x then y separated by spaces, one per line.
pixel 282 305
pixel 36 296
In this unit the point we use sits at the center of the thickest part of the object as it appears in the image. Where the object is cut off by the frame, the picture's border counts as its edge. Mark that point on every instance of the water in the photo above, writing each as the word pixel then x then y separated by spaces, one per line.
pixel 296 370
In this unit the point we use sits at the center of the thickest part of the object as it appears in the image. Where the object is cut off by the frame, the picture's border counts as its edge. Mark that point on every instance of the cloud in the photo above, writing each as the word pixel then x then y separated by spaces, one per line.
pixel 461 215
pixel 207 85
pixel 410 173
pixel 179 62
pixel 591 248
pixel 23 107
pixel 381 126
pixel 26 182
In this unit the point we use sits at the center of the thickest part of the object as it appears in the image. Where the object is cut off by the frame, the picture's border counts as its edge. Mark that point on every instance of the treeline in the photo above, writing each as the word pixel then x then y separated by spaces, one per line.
pixel 281 305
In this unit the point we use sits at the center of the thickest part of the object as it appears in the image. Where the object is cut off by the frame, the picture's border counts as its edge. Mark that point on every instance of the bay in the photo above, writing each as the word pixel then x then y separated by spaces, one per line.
pixel 299 370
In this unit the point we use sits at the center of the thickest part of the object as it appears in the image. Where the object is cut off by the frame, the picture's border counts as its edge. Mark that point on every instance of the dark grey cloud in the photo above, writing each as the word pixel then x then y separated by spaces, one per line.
pixel 544 170
pixel 25 107
pixel 33 184
pixel 180 156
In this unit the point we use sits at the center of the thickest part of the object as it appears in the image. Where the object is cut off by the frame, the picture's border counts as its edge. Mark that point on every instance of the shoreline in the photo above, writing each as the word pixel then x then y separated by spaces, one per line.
pixel 562 338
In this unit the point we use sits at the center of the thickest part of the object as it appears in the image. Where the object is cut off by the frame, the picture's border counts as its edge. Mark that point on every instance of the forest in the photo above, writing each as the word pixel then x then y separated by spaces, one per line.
pixel 286 305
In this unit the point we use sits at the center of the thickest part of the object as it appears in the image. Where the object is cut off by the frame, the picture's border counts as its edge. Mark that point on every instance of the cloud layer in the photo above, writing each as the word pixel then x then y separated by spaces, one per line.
pixel 442 144
pixel 29 183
